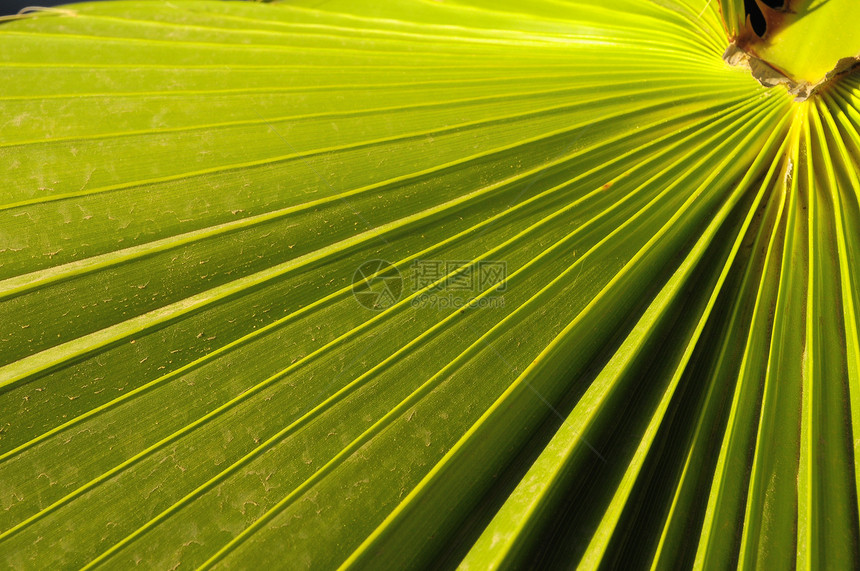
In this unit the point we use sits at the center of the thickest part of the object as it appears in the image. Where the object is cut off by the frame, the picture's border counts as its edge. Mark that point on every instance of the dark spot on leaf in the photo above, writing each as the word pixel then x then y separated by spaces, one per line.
pixel 756 17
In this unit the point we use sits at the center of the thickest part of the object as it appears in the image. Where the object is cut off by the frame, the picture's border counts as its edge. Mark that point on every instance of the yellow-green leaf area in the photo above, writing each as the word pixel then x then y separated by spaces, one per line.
pixel 809 40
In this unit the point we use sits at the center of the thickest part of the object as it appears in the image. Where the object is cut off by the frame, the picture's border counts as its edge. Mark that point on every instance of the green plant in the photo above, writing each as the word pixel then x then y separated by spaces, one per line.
pixel 422 283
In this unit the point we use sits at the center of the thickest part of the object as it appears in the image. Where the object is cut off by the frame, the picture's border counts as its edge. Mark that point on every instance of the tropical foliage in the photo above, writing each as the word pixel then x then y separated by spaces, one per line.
pixel 419 283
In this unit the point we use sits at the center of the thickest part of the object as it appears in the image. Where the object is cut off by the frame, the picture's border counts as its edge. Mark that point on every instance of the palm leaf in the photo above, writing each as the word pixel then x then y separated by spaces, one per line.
pixel 421 284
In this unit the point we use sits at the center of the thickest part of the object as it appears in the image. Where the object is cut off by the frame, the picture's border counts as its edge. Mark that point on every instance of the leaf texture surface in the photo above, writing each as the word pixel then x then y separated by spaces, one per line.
pixel 656 363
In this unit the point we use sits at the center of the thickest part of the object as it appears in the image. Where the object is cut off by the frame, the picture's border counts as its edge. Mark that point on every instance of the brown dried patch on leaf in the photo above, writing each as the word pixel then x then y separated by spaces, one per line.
pixel 770 76
pixel 766 74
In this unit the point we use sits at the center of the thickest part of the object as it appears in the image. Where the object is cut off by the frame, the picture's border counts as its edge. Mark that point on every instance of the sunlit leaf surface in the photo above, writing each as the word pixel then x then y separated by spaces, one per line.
pixel 419 283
